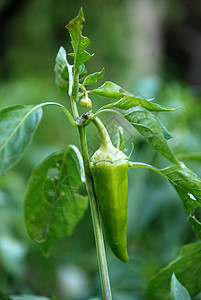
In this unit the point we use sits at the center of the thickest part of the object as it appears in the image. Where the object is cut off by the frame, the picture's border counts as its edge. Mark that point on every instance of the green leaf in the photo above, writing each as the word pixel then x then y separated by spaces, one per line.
pixel 127 102
pixel 187 268
pixel 59 188
pixel 126 99
pixel 53 202
pixel 178 291
pixel 148 126
pixel 79 42
pixel 110 90
pixel 188 186
pixel 63 72
pixel 166 133
pixel 92 78
pixel 18 123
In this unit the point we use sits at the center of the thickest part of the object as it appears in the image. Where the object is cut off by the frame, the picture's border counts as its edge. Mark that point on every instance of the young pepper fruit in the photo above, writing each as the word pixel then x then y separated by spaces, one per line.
pixel 108 167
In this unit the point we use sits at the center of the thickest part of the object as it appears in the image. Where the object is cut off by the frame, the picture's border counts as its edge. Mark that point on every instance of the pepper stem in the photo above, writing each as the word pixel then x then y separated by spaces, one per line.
pixel 104 136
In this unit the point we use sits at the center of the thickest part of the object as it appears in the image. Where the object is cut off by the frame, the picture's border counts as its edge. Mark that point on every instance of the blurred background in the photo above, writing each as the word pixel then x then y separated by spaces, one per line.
pixel 149 47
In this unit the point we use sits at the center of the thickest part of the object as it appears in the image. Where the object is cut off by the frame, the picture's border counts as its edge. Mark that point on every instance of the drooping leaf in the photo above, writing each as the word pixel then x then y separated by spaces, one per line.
pixel 79 42
pixel 187 268
pixel 148 126
pixel 92 78
pixel 63 72
pixel 126 99
pixel 188 186
pixel 17 126
pixel 178 291
pixel 53 202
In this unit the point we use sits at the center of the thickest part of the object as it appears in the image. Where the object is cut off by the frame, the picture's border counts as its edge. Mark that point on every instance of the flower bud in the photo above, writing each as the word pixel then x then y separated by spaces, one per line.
pixel 86 102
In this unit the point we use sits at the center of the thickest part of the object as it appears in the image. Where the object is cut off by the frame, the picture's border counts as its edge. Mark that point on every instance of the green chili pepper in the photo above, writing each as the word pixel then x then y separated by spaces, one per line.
pixel 109 167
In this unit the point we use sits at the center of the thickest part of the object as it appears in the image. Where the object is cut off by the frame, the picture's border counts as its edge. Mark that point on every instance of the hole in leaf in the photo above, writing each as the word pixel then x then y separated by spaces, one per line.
pixel 82 190
pixel 122 91
pixel 60 188
pixel 51 193
pixel 192 197
pixel 53 173
pixel 147 133
pixel 58 194
pixel 198 213
pixel 56 190
pixel 43 233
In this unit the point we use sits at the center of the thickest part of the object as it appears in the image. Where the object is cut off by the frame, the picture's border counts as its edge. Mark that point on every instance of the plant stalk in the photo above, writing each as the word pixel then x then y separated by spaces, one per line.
pixel 102 262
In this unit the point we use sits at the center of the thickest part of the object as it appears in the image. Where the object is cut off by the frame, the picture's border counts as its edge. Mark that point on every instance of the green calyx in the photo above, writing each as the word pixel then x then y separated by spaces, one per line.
pixel 108 154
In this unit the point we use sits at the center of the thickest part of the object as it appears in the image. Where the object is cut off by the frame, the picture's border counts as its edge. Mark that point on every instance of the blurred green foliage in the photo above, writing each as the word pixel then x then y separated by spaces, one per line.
pixel 31 34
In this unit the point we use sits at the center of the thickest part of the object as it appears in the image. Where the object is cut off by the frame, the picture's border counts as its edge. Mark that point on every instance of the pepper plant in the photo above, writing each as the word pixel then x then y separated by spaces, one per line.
pixel 54 201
